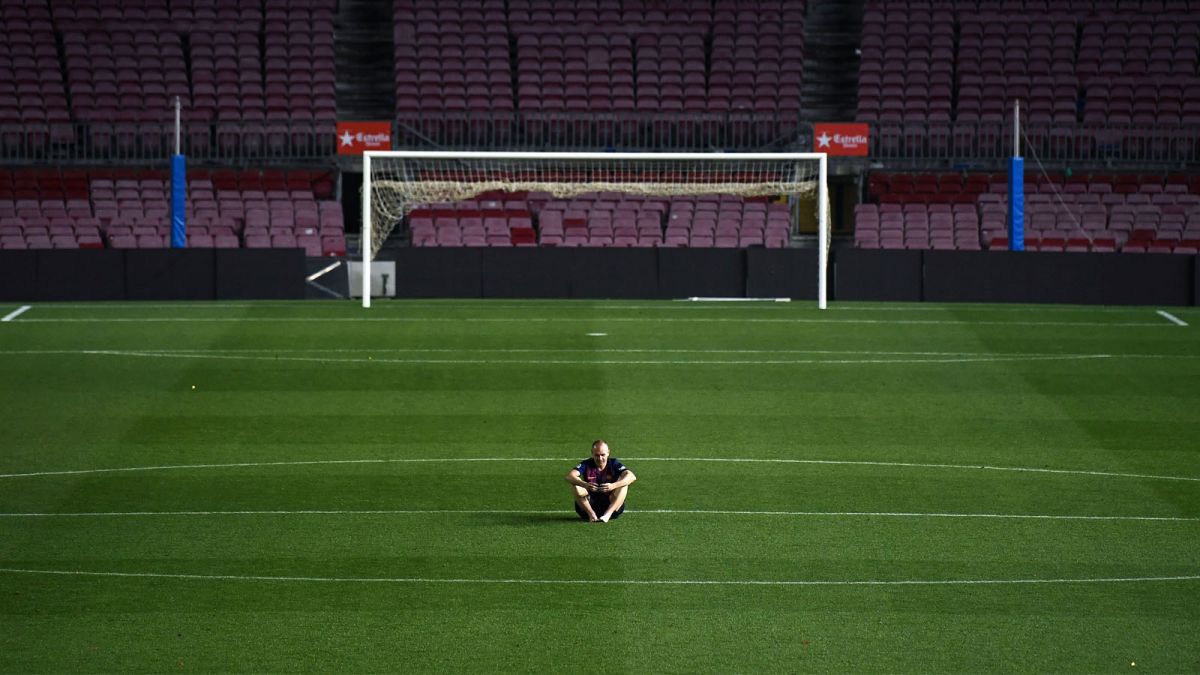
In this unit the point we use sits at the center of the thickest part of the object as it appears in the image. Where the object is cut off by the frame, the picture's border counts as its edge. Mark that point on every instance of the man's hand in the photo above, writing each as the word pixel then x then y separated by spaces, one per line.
pixel 604 487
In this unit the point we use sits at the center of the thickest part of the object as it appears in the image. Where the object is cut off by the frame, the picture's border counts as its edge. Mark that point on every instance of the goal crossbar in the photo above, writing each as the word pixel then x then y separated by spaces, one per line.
pixel 452 175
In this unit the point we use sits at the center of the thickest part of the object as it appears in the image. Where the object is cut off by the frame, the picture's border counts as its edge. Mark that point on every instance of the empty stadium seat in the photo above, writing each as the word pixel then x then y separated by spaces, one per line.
pixel 1060 214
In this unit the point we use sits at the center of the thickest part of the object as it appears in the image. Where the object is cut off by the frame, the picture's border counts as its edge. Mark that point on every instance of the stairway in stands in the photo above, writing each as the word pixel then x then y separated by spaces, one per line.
pixel 363 53
pixel 832 33
pixel 365 65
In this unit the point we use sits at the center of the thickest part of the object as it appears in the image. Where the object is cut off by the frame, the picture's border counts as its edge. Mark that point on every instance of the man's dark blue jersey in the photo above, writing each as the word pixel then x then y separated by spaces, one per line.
pixel 591 473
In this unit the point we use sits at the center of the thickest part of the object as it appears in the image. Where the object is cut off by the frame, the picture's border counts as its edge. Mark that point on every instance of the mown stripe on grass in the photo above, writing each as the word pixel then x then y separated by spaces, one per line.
pixel 591 319
pixel 678 305
pixel 560 350
pixel 744 460
pixel 612 582
pixel 156 354
pixel 697 512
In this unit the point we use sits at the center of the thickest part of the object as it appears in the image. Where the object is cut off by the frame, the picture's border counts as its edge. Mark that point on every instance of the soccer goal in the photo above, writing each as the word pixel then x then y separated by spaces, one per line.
pixel 397 182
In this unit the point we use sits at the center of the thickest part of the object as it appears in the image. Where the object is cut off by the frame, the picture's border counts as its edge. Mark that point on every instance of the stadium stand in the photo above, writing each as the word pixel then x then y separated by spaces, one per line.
pixel 253 80
pixel 649 71
pixel 94 80
pixel 1093 77
pixel 602 220
pixel 1134 213
pixel 128 208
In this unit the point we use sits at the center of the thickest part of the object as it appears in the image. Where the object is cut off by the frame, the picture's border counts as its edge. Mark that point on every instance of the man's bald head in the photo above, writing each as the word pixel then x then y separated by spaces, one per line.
pixel 600 452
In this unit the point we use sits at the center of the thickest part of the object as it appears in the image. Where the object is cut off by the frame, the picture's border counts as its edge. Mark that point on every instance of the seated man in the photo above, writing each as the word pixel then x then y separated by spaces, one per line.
pixel 601 484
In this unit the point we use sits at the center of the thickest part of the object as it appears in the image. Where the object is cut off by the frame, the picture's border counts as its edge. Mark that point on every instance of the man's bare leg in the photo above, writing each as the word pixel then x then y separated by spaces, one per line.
pixel 615 501
pixel 581 498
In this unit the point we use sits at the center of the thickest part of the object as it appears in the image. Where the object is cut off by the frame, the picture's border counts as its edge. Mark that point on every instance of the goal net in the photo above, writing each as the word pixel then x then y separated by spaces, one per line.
pixel 397 182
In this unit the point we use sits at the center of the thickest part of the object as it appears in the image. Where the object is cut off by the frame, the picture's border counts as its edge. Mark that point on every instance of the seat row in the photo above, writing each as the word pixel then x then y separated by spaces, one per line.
pixel 604 221
pixel 1151 213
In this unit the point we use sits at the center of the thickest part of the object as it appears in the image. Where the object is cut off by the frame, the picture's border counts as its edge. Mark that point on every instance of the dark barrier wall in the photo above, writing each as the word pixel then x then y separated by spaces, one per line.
pixel 18 275
pixel 631 275
pixel 526 273
pixel 170 274
pixel 782 273
pixel 865 274
pixel 152 274
pixel 1094 278
pixel 584 273
pixel 570 273
pixel 80 275
pixel 936 276
pixel 1196 282
pixel 439 273
pixel 260 273
pixel 701 272
pixel 1152 279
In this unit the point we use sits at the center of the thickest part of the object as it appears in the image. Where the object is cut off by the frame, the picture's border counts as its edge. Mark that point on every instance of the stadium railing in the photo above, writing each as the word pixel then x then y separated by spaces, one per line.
pixel 224 143
pixel 991 142
pixel 899 144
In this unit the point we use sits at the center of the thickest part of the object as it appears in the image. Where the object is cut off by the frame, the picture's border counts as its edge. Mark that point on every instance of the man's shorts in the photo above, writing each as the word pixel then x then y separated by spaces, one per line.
pixel 599 505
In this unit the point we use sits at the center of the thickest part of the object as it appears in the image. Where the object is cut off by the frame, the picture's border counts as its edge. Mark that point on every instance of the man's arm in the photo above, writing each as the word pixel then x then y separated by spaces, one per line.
pixel 575 479
pixel 625 478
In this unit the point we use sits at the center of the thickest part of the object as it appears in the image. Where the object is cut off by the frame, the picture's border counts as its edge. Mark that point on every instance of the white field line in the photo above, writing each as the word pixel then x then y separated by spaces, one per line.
pixel 582 350
pixel 15 313
pixel 580 362
pixel 589 319
pixel 697 298
pixel 590 305
pixel 611 582
pixel 916 357
pixel 1172 318
pixel 535 512
pixel 439 460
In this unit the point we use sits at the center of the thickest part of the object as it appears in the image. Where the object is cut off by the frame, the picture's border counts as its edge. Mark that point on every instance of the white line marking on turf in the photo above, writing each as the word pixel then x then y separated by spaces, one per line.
pixel 1172 318
pixel 612 582
pixel 431 460
pixel 694 512
pixel 590 319
pixel 575 362
pixel 15 313
pixel 593 350
pixel 696 298
pixel 978 467
pixel 591 305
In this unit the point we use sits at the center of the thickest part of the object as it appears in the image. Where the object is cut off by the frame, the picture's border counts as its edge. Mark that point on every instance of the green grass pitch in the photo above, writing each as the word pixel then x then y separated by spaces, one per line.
pixel 872 488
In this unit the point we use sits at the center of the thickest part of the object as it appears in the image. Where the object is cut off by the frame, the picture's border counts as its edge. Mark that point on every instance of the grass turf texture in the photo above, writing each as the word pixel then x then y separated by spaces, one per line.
pixel 882 392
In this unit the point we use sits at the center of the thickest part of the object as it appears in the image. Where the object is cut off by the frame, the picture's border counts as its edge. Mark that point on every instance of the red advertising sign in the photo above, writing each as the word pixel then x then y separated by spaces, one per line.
pixel 354 138
pixel 841 139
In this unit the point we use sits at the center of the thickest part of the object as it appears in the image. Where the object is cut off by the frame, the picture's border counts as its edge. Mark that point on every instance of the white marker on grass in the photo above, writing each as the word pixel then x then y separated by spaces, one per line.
pixel 1172 318
pixel 15 313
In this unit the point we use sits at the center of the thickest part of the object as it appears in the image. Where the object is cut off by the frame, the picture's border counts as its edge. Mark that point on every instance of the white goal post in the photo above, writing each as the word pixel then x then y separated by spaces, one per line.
pixel 396 182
